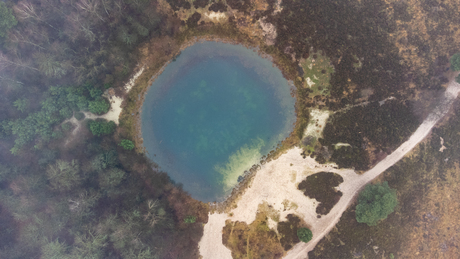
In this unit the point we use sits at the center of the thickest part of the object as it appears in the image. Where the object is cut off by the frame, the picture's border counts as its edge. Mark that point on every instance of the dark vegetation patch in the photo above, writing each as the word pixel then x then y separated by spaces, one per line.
pixel 288 231
pixel 218 7
pixel 8 228
pixel 193 20
pixel 240 5
pixel 342 29
pixel 177 4
pixel 370 130
pixel 200 3
pixel 401 11
pixel 419 223
pixel 320 186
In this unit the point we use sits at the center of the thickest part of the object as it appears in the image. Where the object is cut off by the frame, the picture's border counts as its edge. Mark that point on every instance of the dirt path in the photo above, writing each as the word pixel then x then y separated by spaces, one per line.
pixel 112 115
pixel 351 189
pixel 276 183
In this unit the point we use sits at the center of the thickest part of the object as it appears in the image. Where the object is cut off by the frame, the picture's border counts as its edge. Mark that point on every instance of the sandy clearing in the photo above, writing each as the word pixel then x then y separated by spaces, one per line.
pixel 310 83
pixel 274 183
pixel 115 102
pixel 213 230
pixel 112 115
pixel 318 119
pixel 269 31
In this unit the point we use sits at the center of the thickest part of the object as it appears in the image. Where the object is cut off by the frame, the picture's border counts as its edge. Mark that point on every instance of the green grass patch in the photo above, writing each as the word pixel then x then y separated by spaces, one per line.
pixel 317 73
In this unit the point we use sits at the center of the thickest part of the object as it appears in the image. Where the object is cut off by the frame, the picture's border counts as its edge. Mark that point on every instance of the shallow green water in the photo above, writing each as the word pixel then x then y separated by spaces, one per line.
pixel 212 114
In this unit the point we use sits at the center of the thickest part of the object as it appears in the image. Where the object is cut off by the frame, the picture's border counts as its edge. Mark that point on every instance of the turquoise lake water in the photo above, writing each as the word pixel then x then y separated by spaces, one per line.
pixel 212 114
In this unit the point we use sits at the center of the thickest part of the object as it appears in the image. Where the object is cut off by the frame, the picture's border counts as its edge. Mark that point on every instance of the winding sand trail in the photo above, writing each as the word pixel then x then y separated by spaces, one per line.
pixel 277 181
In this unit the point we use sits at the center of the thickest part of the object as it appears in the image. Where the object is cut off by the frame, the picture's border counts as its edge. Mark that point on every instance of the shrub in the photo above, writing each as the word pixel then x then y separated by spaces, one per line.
pixel 375 203
pixel 457 79
pixel 304 234
pixel 101 127
pixel 21 104
pixel 126 144
pixel 190 219
pixel 99 106
pixel 455 62
pixel 63 175
pixel 79 116
pixel 111 178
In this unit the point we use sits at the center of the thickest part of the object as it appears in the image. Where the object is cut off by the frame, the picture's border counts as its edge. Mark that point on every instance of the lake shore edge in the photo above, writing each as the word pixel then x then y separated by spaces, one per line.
pixel 132 112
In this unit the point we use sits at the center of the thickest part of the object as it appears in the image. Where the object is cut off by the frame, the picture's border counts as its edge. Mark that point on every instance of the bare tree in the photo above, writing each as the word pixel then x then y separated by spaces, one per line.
pixel 154 213
pixel 7 62
pixel 89 6
pixel 18 37
pixel 26 10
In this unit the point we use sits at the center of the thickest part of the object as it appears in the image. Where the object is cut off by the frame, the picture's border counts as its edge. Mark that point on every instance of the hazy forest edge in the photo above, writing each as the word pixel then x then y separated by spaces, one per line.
pixel 96 196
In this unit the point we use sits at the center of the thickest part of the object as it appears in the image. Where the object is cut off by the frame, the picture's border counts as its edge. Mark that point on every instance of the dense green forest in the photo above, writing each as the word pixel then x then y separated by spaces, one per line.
pixel 94 197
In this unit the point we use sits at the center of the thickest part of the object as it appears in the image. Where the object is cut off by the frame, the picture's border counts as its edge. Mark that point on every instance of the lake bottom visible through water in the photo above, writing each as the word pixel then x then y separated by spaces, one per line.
pixel 212 114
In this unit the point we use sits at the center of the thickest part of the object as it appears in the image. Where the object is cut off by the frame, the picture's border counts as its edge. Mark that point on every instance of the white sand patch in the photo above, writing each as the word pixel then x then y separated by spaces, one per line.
pixel 273 225
pixel 310 83
pixel 278 7
pixel 115 102
pixel 132 80
pixel 340 144
pixel 272 184
pixel 216 16
pixel 210 245
pixel 442 145
pixel 269 31
pixel 318 119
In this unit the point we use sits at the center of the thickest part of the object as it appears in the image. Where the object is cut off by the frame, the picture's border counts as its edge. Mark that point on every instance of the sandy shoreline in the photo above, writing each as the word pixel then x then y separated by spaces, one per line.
pixel 274 183
pixel 277 181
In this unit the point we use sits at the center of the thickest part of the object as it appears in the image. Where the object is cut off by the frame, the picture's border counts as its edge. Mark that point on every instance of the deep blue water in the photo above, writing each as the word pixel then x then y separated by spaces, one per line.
pixel 212 114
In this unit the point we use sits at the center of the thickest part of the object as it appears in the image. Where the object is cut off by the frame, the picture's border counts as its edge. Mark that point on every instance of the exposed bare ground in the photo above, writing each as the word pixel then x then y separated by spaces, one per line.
pixel 112 115
pixel 277 181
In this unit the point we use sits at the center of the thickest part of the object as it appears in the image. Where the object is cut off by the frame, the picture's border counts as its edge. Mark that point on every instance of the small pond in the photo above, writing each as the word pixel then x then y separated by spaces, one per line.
pixel 212 114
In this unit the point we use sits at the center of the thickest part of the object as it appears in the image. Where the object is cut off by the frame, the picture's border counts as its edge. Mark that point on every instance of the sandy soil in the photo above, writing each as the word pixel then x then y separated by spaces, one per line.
pixel 112 115
pixel 277 181
pixel 115 102
pixel 318 119
pixel 77 125
pixel 269 31
pixel 216 16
